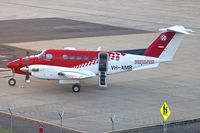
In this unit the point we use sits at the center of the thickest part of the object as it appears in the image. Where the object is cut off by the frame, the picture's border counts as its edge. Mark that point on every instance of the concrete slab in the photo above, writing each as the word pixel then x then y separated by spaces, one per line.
pixel 143 14
pixel 135 97
pixel 26 30
pixel 8 53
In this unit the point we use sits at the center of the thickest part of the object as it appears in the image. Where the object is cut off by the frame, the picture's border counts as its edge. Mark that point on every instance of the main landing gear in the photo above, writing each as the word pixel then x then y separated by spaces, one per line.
pixel 76 88
pixel 12 82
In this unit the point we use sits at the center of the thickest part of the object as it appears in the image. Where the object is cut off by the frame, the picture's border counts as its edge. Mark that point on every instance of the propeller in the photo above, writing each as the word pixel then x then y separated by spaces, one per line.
pixel 27 78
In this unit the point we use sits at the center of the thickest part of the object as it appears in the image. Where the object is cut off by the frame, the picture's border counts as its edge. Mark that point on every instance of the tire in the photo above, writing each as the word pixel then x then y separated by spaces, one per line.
pixel 76 88
pixel 12 82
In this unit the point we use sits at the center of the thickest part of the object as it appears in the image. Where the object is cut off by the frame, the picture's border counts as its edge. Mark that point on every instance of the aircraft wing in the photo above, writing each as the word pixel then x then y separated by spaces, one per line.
pixel 57 72
pixel 77 74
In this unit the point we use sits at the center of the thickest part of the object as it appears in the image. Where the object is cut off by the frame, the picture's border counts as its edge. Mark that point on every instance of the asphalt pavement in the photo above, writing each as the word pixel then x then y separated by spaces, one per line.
pixel 189 126
pixel 27 125
pixel 135 97
pixel 38 29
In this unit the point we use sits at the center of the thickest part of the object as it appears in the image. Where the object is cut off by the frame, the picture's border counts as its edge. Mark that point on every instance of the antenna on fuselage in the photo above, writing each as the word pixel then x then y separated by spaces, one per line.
pixel 99 48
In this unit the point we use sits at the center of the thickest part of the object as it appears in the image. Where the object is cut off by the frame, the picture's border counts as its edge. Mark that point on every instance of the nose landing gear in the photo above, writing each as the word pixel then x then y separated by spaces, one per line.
pixel 12 82
pixel 76 88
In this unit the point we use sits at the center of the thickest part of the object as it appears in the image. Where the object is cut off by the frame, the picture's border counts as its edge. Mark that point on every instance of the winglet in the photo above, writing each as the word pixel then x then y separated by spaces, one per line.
pixel 178 29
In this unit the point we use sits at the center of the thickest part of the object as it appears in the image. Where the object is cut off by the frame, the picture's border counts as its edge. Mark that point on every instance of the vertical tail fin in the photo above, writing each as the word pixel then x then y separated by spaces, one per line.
pixel 165 46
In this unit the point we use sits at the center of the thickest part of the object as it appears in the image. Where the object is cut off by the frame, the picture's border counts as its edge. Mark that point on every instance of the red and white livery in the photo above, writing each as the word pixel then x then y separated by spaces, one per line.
pixel 69 65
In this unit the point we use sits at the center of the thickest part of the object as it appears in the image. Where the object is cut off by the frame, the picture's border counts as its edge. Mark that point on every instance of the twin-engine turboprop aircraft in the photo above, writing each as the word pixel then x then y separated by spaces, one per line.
pixel 69 66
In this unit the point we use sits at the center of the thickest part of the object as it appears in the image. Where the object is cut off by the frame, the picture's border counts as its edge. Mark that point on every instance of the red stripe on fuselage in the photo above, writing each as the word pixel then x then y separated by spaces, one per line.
pixel 58 60
pixel 87 57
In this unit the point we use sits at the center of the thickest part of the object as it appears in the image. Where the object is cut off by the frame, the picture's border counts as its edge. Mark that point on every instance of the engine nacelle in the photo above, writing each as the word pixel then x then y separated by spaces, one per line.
pixel 45 75
pixel 45 72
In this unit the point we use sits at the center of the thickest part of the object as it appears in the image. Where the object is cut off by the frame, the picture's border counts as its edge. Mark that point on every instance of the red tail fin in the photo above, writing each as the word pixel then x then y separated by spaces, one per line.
pixel 158 45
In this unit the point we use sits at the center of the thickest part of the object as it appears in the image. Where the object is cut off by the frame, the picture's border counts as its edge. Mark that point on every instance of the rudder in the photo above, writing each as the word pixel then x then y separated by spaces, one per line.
pixel 166 44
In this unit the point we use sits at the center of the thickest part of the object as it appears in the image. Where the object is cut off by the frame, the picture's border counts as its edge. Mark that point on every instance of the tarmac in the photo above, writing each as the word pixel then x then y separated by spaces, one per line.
pixel 22 124
pixel 134 97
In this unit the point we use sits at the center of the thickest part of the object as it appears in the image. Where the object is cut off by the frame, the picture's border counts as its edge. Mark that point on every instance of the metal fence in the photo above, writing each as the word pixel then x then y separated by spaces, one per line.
pixel 20 124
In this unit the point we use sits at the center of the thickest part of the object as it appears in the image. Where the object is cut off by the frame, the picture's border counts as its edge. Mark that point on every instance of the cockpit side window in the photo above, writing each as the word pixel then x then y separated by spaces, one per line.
pixel 49 56
pixel 45 55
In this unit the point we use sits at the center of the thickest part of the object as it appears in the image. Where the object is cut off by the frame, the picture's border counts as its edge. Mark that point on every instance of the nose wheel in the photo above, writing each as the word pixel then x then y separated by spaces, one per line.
pixel 76 88
pixel 12 82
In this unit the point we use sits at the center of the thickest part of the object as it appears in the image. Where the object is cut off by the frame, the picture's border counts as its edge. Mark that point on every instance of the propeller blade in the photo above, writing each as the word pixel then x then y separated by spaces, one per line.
pixel 27 58
pixel 27 78
pixel 27 53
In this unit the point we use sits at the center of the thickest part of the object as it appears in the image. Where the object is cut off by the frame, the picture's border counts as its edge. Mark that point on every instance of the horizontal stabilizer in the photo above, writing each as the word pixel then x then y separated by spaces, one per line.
pixel 146 67
pixel 178 29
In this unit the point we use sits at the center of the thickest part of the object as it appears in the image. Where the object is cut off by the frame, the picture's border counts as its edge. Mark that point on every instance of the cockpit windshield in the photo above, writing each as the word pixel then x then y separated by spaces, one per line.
pixel 41 55
pixel 45 55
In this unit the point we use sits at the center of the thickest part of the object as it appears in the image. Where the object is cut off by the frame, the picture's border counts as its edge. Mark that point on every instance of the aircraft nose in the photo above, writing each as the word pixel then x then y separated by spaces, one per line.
pixel 11 65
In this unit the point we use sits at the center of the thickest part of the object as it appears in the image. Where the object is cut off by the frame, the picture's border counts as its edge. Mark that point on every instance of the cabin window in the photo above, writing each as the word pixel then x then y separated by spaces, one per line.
pixel 49 56
pixel 78 57
pixel 117 58
pixel 86 58
pixel 65 57
pixel 71 57
pixel 94 58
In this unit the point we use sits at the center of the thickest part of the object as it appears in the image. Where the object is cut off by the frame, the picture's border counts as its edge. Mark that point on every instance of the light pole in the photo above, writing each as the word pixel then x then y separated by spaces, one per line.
pixel 61 114
pixel 10 109
pixel 113 122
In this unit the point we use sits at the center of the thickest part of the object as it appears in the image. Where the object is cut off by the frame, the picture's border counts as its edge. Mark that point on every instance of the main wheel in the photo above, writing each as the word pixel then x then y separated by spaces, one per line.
pixel 12 82
pixel 76 88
